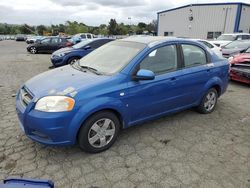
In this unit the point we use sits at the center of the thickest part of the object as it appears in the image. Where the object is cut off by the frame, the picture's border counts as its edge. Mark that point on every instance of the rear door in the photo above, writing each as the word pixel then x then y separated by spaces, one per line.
pixel 195 73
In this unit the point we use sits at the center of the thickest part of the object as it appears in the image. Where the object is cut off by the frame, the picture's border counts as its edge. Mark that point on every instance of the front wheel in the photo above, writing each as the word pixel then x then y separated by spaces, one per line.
pixel 33 50
pixel 99 132
pixel 208 102
pixel 73 60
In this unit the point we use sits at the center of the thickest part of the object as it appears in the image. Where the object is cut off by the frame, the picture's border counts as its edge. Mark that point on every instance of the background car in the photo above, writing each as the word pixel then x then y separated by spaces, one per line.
pixel 81 36
pixel 70 55
pixel 120 84
pixel 240 67
pixel 224 39
pixel 21 37
pixel 33 39
pixel 217 50
pixel 49 45
pixel 235 47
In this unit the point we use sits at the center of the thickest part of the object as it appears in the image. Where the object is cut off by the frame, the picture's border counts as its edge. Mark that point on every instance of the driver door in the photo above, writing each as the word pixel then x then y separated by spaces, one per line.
pixel 43 46
pixel 149 98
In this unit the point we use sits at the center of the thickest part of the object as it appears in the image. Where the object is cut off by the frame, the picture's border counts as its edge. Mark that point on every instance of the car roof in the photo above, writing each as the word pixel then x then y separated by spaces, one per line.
pixel 154 40
pixel 236 34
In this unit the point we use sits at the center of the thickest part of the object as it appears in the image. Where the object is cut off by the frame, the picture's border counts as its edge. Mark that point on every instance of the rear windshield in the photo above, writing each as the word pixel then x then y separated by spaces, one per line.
pixel 227 37
pixel 238 44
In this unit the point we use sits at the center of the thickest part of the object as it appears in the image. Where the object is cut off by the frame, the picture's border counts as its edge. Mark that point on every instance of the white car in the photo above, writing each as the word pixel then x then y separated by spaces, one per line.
pixel 224 39
pixel 213 47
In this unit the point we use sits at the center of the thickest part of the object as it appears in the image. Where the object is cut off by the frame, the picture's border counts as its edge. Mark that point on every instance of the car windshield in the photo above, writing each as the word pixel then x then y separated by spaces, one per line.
pixel 227 37
pixel 238 44
pixel 81 44
pixel 112 57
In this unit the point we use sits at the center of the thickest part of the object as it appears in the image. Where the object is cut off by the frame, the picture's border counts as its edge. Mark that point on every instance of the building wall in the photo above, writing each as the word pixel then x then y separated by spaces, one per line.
pixel 206 18
pixel 245 19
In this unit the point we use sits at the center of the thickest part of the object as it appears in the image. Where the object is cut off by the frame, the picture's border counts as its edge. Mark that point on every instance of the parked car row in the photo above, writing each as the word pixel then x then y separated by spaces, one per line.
pixel 224 39
pixel 7 37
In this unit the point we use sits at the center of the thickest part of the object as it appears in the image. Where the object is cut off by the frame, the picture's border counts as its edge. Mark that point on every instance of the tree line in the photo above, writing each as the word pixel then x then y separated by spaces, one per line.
pixel 74 27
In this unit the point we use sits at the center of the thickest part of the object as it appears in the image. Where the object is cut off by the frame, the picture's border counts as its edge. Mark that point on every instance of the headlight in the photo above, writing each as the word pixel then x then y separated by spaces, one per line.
pixel 61 54
pixel 55 104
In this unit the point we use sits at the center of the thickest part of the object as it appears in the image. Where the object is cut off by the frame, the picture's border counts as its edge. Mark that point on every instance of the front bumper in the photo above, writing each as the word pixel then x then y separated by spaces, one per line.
pixel 44 127
pixel 58 61
pixel 240 75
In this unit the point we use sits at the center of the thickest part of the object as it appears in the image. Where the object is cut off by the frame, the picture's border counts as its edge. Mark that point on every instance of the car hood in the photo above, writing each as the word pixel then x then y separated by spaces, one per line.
pixel 221 42
pixel 232 51
pixel 240 58
pixel 63 81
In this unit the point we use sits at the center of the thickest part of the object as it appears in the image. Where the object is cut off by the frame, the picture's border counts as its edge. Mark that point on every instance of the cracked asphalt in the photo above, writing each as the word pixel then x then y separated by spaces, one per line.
pixel 182 150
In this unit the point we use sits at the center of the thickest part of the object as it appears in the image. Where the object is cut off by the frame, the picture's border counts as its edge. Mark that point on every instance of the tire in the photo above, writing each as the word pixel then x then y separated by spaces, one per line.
pixel 33 50
pixel 208 102
pixel 72 60
pixel 99 132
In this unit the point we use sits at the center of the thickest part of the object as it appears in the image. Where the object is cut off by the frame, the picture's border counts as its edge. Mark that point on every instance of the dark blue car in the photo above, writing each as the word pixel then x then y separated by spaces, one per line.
pixel 121 84
pixel 69 55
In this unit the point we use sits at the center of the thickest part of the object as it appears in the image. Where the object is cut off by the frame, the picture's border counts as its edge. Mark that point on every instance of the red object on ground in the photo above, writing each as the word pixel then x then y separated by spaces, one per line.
pixel 240 68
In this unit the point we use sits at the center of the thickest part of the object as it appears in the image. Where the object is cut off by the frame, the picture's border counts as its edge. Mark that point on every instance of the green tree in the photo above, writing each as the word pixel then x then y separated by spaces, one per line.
pixel 113 27
pixel 41 28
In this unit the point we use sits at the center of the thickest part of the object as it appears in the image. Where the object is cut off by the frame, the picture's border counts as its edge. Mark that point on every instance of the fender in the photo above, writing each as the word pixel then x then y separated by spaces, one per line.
pixel 210 83
pixel 92 107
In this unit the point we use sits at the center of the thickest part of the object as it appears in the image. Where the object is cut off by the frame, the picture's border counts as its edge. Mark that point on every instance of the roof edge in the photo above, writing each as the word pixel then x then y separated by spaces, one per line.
pixel 204 4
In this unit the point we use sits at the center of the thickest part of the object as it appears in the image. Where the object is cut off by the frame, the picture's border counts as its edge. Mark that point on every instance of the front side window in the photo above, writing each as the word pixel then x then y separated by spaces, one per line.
pixel 83 36
pixel 89 36
pixel 193 55
pixel 45 41
pixel 54 40
pixel 161 60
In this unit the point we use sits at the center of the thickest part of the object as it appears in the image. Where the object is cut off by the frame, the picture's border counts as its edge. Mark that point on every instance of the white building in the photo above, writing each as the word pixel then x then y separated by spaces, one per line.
pixel 205 21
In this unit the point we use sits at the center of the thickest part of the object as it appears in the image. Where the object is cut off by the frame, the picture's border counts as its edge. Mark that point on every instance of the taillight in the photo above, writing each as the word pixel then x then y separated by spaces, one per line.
pixel 68 44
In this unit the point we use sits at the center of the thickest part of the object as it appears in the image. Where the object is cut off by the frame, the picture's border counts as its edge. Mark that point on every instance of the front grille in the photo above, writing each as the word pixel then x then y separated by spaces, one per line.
pixel 25 96
pixel 226 55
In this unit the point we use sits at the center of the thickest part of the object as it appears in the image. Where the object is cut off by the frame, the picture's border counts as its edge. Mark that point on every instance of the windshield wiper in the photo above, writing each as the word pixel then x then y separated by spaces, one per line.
pixel 91 69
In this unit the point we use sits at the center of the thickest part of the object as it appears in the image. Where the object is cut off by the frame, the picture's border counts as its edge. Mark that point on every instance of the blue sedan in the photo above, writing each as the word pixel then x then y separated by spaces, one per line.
pixel 69 55
pixel 121 84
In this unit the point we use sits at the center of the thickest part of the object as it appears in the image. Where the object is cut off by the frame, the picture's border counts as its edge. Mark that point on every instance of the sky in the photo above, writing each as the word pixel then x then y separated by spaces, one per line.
pixel 90 12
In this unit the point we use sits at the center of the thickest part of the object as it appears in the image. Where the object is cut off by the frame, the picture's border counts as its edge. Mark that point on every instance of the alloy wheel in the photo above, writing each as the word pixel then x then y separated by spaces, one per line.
pixel 101 133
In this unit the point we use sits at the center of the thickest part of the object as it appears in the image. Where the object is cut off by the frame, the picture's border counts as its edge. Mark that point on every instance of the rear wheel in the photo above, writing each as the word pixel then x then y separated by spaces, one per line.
pixel 99 132
pixel 208 102
pixel 33 50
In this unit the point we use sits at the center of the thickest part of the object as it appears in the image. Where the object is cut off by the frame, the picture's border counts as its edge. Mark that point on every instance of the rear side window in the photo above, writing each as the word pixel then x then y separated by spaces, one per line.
pixel 244 37
pixel 193 55
pixel 161 60
pixel 89 36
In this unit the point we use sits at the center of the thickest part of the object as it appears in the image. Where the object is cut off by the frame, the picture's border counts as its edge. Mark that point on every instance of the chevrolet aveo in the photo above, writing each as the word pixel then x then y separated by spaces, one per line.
pixel 120 84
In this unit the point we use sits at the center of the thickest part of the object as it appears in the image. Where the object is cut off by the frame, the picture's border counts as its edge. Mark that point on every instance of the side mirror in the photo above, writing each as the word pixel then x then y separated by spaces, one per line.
pixel 87 47
pixel 144 74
